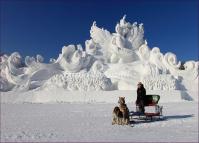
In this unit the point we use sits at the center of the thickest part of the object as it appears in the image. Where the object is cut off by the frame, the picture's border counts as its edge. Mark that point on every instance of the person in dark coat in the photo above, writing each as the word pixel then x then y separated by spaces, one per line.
pixel 141 93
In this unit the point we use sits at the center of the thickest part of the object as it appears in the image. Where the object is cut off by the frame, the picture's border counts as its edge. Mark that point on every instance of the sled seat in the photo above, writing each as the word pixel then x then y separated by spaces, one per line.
pixel 151 100
pixel 151 106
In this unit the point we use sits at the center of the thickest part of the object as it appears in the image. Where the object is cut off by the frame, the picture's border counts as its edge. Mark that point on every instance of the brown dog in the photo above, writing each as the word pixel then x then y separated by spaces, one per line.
pixel 121 113
pixel 117 116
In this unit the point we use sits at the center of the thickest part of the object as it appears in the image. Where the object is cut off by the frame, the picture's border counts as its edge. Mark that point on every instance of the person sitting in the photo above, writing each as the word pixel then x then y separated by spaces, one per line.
pixel 141 93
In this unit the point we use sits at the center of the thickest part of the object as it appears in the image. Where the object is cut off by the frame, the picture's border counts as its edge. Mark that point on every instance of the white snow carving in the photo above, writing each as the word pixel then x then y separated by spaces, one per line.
pixel 109 61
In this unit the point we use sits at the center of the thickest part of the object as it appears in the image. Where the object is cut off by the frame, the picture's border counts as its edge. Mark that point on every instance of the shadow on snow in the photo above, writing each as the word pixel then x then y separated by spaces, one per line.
pixel 143 119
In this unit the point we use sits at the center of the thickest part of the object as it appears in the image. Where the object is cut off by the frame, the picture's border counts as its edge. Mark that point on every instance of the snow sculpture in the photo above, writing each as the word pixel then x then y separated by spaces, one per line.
pixel 4 79
pixel 122 45
pixel 91 47
pixel 14 62
pixel 110 61
pixel 86 81
pixel 12 74
pixel 161 82
pixel 29 61
pixel 15 77
pixel 79 81
pixel 132 35
pixel 40 59
pixel 73 60
pixel 52 60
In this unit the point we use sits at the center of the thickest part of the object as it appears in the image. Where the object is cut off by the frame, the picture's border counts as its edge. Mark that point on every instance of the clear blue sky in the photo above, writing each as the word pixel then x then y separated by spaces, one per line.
pixel 43 26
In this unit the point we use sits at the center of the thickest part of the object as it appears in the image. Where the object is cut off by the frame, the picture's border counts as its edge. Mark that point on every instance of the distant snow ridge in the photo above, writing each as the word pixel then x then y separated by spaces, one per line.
pixel 110 61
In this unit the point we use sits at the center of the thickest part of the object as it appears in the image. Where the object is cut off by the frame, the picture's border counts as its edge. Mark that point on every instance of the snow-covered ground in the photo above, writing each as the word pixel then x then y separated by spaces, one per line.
pixel 92 122
pixel 60 95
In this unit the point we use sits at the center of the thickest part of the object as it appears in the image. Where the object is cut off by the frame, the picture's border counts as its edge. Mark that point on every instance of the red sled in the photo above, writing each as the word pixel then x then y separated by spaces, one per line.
pixel 152 109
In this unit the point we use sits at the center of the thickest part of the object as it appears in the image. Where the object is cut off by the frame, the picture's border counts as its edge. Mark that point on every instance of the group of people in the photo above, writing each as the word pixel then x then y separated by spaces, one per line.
pixel 141 93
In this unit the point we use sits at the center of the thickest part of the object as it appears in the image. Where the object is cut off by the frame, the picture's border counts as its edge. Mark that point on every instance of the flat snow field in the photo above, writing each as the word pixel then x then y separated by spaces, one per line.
pixel 80 122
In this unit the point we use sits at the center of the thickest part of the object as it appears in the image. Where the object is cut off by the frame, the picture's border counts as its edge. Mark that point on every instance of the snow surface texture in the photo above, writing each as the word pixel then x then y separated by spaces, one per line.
pixel 60 95
pixel 92 123
pixel 110 61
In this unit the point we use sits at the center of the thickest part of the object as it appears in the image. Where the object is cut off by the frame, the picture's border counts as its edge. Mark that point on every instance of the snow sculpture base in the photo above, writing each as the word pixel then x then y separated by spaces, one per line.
pixel 60 95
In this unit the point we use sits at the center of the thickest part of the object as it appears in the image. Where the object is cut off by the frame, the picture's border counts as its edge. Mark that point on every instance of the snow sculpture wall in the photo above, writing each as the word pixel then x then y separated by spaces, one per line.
pixel 86 81
pixel 79 81
pixel 161 82
pixel 110 61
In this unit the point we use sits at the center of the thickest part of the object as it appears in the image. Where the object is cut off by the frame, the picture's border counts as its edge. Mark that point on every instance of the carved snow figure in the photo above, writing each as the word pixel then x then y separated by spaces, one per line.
pixel 72 59
pixel 122 45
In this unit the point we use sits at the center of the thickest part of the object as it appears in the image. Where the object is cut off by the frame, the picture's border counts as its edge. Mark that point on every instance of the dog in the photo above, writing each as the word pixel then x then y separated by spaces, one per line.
pixel 117 116
pixel 121 113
